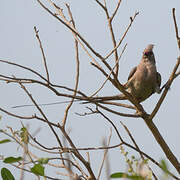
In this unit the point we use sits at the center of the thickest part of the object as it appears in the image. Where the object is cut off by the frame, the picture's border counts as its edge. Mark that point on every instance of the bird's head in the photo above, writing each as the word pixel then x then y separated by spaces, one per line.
pixel 148 53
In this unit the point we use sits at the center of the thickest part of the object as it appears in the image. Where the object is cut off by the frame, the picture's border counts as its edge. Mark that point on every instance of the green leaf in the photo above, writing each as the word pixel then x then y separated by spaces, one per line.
pixel 5 141
pixel 24 135
pixel 164 165
pixel 38 169
pixel 12 159
pixel 43 160
pixel 118 175
pixel 125 175
pixel 136 177
pixel 6 174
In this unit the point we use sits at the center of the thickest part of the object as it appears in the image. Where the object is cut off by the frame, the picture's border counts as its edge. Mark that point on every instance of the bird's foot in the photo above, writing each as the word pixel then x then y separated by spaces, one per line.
pixel 166 86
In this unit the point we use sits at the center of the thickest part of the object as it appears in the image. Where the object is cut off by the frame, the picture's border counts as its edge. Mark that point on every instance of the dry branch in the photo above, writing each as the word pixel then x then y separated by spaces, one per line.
pixel 42 51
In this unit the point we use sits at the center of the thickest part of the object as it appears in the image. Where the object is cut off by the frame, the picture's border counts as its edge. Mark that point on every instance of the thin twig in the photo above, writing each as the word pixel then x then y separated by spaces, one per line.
pixel 173 74
pixel 119 104
pixel 60 12
pixel 104 7
pixel 116 9
pixel 76 153
pixel 115 128
pixel 42 113
pixel 17 116
pixel 105 154
pixel 124 35
pixel 109 19
pixel 168 84
pixel 70 28
pixel 55 158
pixel 42 51
pixel 133 140
pixel 36 73
pixel 24 67
pixel 48 177
pixel 77 70
pixel 117 112
pixel 27 117
pixel 83 97
pixel 114 44
pixel 107 78
pixel 176 27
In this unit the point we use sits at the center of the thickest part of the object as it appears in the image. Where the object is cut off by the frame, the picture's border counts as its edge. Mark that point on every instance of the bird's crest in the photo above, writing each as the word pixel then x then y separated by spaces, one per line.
pixel 149 48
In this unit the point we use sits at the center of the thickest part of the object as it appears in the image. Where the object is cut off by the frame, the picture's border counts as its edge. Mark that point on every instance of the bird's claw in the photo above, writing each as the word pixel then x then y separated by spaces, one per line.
pixel 166 86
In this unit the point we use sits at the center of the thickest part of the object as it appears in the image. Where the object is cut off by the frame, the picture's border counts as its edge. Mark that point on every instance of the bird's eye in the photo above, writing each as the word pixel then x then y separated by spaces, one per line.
pixel 146 54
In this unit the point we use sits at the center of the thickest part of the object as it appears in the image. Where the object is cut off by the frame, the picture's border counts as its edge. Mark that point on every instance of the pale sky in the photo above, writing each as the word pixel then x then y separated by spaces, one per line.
pixel 18 44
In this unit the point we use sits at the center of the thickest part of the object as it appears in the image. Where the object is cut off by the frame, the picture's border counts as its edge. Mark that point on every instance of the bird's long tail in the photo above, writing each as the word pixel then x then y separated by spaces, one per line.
pixel 102 99
pixel 106 98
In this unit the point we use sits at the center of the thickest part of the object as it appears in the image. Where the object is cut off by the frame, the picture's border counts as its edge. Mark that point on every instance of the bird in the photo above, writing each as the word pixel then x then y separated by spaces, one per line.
pixel 143 80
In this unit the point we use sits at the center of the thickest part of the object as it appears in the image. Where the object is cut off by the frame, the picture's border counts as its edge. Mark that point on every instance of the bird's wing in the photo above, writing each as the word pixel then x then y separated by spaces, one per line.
pixel 158 84
pixel 159 79
pixel 132 72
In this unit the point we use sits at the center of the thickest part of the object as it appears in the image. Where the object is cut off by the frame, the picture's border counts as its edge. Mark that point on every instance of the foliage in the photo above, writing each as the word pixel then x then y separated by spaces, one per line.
pixel 38 169
pixel 6 174
pixel 137 169
pixel 12 159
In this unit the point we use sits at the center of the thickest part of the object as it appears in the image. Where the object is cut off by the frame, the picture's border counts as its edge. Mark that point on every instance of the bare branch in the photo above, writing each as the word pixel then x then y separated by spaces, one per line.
pixel 115 128
pixel 16 116
pixel 116 9
pixel 109 19
pixel 60 12
pixel 105 154
pixel 76 152
pixel 124 35
pixel 118 104
pixel 176 27
pixel 24 67
pixel 167 86
pixel 77 70
pixel 70 28
pixel 48 177
pixel 117 112
pixel 42 51
pixel 114 42
pixel 103 7
pixel 87 113
pixel 40 110
pixel 107 78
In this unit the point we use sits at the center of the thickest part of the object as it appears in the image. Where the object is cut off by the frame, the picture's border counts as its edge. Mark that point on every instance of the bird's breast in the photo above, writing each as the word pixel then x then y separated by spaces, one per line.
pixel 150 72
pixel 142 83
